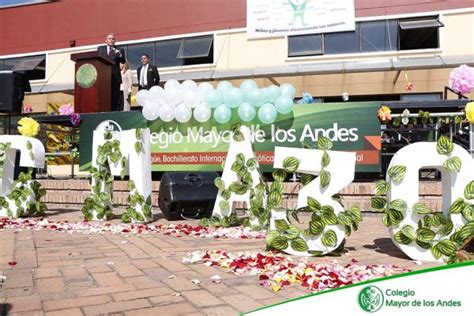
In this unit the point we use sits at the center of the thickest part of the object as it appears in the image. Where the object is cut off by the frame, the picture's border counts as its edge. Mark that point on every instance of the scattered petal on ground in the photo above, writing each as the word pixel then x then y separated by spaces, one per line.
pixel 216 278
pixel 96 227
pixel 277 271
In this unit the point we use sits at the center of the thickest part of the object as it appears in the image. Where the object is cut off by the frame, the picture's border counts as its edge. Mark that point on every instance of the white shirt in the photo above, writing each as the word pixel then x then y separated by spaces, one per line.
pixel 143 76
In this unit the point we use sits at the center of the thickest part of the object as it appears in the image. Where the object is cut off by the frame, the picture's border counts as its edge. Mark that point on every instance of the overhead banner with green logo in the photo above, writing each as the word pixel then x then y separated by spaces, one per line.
pixel 193 146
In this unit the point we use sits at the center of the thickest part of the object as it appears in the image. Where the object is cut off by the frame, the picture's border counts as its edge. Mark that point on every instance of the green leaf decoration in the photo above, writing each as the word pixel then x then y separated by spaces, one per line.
pixel 378 203
pixel 329 238
pixel 238 136
pixel 291 164
pixel 466 231
pixel 235 127
pixel 252 163
pixel 392 218
pixel 215 221
pixel 225 221
pixel 421 208
pixel 279 175
pixel 409 232
pixel 275 198
pixel 138 147
pixel 270 236
pixel 453 164
pixel 281 225
pixel 399 205
pixel 397 173
pixel 329 218
pixel 219 183
pixel 138 133
pixel 445 247
pixel 238 188
pixel 299 244
pixel 468 212
pixel 313 204
pixel 425 234
pixel 237 166
pixel 324 143
pixel 381 187
pixel 355 213
pixel 344 219
pixel 277 186
pixel 226 194
pixel 444 145
pixel 401 238
pixel 306 178
pixel 438 219
pixel 469 191
pixel 224 205
pixel 324 178
pixel 315 253
pixel 422 244
pixel 447 228
pixel 247 179
pixel 316 227
pixel 29 146
pixel 457 206
pixel 279 243
pixel 326 159
pixel 240 158
pixel 292 232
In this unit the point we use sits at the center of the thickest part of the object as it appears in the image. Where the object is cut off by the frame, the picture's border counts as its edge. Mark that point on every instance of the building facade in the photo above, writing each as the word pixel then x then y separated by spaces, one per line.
pixel 394 43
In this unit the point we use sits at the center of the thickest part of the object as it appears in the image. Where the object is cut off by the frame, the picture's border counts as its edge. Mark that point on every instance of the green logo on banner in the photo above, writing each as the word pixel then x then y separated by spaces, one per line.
pixel 371 299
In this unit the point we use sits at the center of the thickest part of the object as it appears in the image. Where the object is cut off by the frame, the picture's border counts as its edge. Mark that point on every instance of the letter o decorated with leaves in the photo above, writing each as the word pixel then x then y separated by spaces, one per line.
pixel 420 232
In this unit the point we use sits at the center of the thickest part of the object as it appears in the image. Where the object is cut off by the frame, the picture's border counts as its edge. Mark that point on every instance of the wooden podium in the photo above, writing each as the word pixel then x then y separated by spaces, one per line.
pixel 92 83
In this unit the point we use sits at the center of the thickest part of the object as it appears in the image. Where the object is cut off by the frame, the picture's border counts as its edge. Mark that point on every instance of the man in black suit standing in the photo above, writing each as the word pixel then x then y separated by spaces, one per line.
pixel 147 74
pixel 117 56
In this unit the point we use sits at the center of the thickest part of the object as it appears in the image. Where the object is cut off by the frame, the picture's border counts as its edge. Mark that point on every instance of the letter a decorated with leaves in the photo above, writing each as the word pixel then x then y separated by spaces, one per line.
pixel 329 222
pixel 241 182
pixel 21 196
pixel 420 232
pixel 114 153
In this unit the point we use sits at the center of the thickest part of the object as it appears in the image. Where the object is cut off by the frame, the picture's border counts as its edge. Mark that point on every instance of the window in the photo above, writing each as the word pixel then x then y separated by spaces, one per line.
pixel 197 50
pixel 33 66
pixel 421 97
pixel 195 47
pixel 136 50
pixel 342 42
pixel 166 52
pixel 378 36
pixel 419 33
pixel 16 3
pixel 305 45
pixel 370 36
pixel 171 53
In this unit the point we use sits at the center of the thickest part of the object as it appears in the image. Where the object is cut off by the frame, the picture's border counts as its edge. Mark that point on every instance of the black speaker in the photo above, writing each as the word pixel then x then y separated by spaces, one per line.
pixel 185 195
pixel 13 86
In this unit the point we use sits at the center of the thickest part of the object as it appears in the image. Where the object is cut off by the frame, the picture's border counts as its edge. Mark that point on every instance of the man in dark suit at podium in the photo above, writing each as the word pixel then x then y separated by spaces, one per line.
pixel 117 56
pixel 147 74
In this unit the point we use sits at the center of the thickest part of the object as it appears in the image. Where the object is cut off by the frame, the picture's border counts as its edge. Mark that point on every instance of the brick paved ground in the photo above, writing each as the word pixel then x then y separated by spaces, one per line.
pixel 72 274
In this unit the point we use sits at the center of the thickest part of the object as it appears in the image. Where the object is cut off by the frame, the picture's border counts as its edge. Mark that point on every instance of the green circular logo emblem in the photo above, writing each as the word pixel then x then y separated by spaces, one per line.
pixel 371 299
pixel 86 76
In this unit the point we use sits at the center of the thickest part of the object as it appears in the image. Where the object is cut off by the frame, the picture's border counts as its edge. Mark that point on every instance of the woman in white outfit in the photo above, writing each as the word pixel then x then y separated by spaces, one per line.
pixel 126 86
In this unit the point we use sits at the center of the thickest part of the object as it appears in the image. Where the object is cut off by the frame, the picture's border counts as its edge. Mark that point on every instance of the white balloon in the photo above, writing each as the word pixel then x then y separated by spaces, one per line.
pixel 182 113
pixel 188 85
pixel 142 96
pixel 190 98
pixel 202 113
pixel 166 113
pixel 173 96
pixel 172 84
pixel 150 111
pixel 157 94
